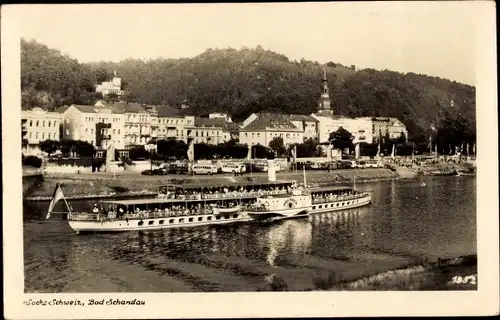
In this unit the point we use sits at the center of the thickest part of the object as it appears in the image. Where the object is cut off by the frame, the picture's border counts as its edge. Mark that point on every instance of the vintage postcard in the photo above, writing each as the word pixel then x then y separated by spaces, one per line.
pixel 250 160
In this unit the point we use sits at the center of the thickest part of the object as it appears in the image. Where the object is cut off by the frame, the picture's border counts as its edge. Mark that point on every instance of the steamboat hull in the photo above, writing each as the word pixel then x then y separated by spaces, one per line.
pixel 155 223
pixel 341 204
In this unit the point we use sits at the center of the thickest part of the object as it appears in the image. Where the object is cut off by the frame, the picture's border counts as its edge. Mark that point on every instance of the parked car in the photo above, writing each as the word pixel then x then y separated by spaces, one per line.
pixel 233 168
pixel 204 169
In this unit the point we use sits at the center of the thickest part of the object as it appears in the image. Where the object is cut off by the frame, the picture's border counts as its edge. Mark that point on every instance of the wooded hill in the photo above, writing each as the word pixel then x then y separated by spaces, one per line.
pixel 243 81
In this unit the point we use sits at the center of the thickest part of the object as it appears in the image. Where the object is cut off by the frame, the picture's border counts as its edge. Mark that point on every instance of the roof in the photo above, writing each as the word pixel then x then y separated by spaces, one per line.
pixel 124 107
pixel 330 188
pixel 238 184
pixel 168 111
pixel 270 121
pixel 84 108
pixel 207 122
pixel 62 109
pixel 300 117
pixel 163 200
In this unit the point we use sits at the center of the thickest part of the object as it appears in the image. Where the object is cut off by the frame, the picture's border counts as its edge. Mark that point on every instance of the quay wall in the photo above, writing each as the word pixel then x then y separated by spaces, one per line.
pixel 104 184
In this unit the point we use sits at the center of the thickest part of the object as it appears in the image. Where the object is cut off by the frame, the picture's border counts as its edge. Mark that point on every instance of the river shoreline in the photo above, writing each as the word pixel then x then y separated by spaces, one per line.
pixel 104 185
pixel 86 187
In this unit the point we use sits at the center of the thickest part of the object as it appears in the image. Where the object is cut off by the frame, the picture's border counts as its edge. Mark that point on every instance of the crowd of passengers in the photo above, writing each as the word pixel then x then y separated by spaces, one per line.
pixel 329 197
pixel 175 210
pixel 223 193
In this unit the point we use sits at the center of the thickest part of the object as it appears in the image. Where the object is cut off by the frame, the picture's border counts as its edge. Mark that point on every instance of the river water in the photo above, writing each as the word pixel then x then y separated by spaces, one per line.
pixel 405 221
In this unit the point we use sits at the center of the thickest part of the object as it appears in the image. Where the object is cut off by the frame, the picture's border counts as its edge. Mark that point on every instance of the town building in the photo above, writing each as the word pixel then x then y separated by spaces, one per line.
pixel 137 121
pixel 38 125
pixel 206 130
pixel 262 128
pixel 113 86
pixel 173 124
pixel 306 123
pixel 360 128
pixel 223 116
pixel 101 125
pixel 392 128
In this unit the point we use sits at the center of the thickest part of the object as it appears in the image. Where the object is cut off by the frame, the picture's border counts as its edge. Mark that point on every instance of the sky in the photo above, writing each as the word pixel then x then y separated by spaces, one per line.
pixel 434 38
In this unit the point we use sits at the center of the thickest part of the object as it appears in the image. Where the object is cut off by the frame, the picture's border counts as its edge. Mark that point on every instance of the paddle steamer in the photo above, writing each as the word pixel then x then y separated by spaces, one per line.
pixel 179 206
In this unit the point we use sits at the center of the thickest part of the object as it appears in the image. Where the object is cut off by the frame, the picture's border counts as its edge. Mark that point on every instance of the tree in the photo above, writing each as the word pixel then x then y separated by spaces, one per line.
pixel 138 153
pixel 240 82
pixel 101 75
pixel 277 145
pixel 84 149
pixel 341 139
pixel 50 146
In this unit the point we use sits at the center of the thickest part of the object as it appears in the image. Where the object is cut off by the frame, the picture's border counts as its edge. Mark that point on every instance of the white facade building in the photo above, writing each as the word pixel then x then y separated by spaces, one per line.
pixel 38 125
pixel 360 128
pixel 262 128
pixel 113 86
pixel 102 126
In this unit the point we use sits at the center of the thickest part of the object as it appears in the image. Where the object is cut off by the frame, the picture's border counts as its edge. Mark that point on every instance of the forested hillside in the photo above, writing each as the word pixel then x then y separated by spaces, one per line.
pixel 243 81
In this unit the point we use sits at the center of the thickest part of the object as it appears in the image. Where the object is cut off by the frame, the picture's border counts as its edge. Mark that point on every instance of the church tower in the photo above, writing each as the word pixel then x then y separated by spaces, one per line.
pixel 324 100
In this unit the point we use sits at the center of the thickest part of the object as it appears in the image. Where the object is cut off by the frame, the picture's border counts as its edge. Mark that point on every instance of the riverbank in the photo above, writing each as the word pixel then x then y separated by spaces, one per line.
pixel 105 185
pixel 452 274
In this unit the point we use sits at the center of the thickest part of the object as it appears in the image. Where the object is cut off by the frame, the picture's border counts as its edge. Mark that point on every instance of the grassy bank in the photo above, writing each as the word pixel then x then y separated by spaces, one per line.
pixel 103 184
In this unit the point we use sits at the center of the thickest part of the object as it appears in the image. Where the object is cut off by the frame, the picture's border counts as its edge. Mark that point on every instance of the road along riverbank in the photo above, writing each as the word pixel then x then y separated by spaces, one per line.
pixel 106 185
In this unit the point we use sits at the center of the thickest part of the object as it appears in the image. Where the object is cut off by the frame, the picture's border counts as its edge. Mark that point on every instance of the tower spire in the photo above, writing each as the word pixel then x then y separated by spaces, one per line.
pixel 324 101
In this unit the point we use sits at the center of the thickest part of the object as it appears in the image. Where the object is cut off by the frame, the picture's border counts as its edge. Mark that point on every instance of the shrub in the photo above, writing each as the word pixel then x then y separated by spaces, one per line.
pixel 32 161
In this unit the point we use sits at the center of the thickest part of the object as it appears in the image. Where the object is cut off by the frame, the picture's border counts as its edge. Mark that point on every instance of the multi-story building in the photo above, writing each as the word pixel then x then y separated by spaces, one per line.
pixel 306 123
pixel 38 125
pixel 113 86
pixel 360 128
pixel 101 125
pixel 206 130
pixel 262 128
pixel 387 127
pixel 172 124
pixel 137 122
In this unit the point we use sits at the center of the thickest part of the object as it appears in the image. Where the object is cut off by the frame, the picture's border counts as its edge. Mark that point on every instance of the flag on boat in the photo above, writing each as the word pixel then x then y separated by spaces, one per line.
pixel 393 151
pixel 190 151
pixel 58 195
pixel 378 150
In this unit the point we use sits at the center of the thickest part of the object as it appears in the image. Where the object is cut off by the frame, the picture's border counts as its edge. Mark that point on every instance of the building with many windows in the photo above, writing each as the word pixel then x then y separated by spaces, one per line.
pixel 360 128
pixel 306 123
pixel 262 128
pixel 38 125
pixel 100 125
pixel 388 127
pixel 114 86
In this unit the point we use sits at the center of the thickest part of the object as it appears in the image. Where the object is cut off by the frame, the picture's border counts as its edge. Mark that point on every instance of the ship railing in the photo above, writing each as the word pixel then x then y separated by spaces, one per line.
pixel 223 195
pixel 338 198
